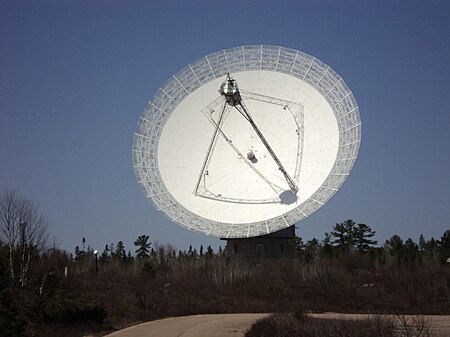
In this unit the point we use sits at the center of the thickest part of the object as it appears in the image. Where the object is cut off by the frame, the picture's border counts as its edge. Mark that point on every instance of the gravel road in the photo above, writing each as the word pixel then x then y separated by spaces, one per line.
pixel 232 325
pixel 221 325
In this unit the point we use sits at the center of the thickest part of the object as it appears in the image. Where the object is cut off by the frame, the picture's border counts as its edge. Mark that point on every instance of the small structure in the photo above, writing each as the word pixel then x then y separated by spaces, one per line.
pixel 274 245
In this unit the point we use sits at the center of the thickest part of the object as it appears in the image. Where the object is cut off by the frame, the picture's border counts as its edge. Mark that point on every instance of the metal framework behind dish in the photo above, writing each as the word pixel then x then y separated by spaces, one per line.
pixel 245 58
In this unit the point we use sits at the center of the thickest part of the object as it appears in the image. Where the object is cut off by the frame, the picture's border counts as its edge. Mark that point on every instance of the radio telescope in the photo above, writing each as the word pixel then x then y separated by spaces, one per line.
pixel 247 141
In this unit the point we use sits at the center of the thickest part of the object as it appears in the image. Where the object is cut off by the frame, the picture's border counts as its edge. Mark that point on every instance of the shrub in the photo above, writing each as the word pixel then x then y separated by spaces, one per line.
pixel 68 312
pixel 11 322
pixel 289 325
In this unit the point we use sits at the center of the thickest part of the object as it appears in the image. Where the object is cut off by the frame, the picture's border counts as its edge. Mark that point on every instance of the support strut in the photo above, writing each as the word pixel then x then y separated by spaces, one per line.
pixel 244 112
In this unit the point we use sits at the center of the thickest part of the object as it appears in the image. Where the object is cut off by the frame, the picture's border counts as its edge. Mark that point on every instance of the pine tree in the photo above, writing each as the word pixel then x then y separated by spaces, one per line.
pixel 298 247
pixel 327 247
pixel 422 243
pixel 111 250
pixel 394 248
pixel 143 246
pixel 105 253
pixel 312 249
pixel 77 253
pixel 348 236
pixel 444 247
pixel 120 251
pixel 345 235
pixel 410 251
pixel 363 235
pixel 209 252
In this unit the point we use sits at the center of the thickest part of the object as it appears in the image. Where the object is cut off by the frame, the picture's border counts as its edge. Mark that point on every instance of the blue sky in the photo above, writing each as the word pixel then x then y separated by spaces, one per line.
pixel 76 75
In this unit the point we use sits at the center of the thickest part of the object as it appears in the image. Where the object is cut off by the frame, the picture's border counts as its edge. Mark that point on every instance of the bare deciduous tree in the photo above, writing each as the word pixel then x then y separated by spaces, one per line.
pixel 24 230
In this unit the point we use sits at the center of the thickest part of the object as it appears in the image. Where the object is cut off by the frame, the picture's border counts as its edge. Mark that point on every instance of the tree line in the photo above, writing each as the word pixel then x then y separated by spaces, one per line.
pixel 345 238
pixel 24 233
pixel 348 237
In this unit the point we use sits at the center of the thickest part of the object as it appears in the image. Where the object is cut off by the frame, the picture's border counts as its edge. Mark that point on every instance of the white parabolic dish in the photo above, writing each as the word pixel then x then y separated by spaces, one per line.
pixel 303 108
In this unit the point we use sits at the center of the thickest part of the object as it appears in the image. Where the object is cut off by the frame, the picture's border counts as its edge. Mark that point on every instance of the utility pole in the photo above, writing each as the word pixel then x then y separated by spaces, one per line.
pixel 96 261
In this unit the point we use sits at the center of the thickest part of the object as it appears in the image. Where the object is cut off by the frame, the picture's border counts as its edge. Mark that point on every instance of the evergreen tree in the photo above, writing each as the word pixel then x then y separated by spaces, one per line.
pixel 120 251
pixel 410 251
pixel 111 250
pixel 394 248
pixel 209 252
pixel 432 248
pixel 298 247
pixel 363 235
pixel 77 253
pixel 312 249
pixel 327 247
pixel 422 243
pixel 345 235
pixel 105 254
pixel 340 236
pixel 444 246
pixel 349 236
pixel 142 246
pixel 395 244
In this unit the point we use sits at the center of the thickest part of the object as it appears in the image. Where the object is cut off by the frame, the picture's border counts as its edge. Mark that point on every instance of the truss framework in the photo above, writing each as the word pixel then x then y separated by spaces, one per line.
pixel 294 108
pixel 245 58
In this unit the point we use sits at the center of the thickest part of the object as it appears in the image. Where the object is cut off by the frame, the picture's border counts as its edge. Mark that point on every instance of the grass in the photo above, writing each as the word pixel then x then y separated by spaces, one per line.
pixel 301 325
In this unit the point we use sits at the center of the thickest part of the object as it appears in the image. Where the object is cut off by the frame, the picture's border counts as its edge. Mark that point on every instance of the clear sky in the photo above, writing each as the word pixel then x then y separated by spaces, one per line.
pixel 76 75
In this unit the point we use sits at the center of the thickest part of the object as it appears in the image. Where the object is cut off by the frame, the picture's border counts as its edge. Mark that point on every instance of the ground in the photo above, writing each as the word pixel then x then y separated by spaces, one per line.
pixel 231 325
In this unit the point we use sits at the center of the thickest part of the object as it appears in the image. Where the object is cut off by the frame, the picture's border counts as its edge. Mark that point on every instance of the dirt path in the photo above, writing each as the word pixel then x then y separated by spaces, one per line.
pixel 222 325
pixel 232 325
